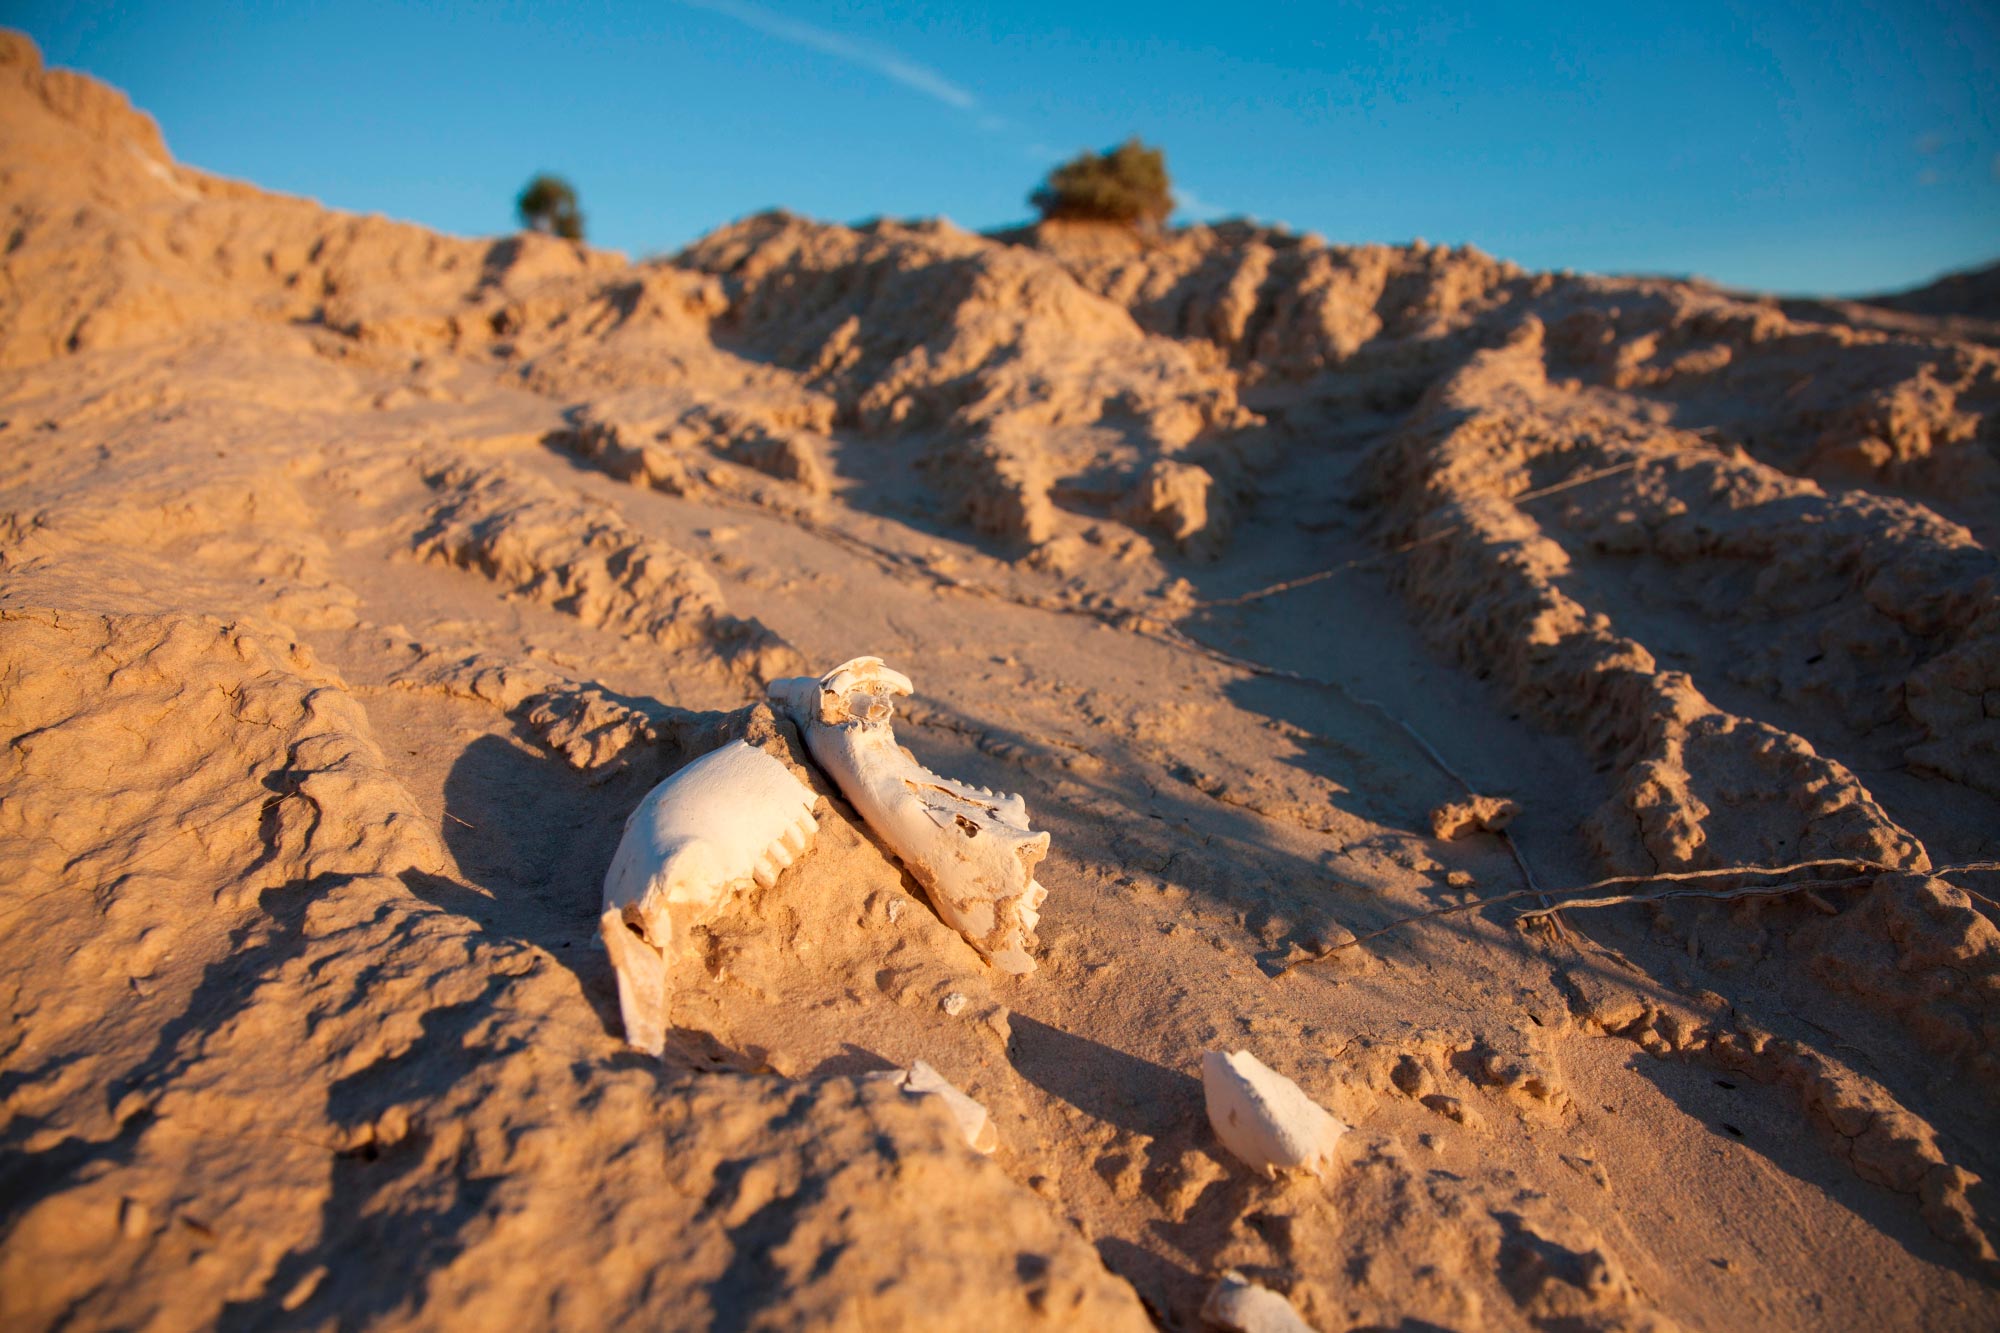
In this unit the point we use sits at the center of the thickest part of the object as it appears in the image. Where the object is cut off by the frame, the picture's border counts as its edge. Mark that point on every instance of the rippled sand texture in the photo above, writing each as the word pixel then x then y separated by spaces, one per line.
pixel 355 583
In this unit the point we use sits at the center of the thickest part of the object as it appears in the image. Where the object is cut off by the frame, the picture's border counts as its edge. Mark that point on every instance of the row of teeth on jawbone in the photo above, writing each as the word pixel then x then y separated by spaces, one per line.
pixel 738 816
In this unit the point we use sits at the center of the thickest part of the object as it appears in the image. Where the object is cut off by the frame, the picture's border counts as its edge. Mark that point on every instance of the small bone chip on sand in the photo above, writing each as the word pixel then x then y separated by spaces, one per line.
pixel 732 818
pixel 920 1080
pixel 1263 1117
pixel 970 848
pixel 1474 814
pixel 1240 1305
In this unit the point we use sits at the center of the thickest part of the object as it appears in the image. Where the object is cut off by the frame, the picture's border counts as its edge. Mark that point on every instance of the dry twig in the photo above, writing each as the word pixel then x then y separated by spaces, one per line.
pixel 1677 880
pixel 1318 576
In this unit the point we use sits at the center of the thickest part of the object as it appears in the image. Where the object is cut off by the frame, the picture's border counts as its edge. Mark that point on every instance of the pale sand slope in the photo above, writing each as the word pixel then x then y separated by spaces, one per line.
pixel 359 581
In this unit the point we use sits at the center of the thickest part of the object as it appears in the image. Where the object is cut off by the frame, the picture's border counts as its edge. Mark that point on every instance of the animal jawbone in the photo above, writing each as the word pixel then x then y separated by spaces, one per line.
pixel 970 848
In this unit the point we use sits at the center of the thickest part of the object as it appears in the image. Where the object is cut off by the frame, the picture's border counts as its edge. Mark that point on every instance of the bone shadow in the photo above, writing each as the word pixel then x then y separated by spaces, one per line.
pixel 533 840
pixel 853 1060
pixel 1102 1081
pixel 1163 1284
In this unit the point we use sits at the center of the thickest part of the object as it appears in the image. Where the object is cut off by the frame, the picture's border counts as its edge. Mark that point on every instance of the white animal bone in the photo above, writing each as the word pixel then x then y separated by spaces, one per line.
pixel 729 819
pixel 1263 1117
pixel 970 848
pixel 920 1080
pixel 1240 1305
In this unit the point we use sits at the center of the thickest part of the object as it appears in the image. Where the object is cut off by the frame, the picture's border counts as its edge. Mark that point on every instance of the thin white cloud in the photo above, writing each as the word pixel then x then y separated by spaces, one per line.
pixel 922 79
pixel 887 63
pixel 1187 202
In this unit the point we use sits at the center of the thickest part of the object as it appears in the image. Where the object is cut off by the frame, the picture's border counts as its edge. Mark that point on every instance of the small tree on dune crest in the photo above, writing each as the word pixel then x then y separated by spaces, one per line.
pixel 1125 184
pixel 548 205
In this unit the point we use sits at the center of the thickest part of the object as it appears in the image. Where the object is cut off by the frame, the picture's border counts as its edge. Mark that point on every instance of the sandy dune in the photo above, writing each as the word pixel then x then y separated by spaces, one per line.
pixel 356 582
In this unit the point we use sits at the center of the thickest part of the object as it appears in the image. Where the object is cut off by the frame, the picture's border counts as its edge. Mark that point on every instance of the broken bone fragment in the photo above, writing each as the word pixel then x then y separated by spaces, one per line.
pixel 920 1080
pixel 1474 814
pixel 971 849
pixel 732 818
pixel 1240 1305
pixel 1263 1117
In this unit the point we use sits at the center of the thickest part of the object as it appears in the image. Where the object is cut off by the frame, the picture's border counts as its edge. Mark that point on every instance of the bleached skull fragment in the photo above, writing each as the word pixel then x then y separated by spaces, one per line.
pixel 920 1080
pixel 1263 1117
pixel 732 818
pixel 1241 1306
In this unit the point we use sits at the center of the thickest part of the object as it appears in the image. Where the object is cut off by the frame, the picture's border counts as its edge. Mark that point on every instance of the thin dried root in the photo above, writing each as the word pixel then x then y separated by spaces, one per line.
pixel 1868 870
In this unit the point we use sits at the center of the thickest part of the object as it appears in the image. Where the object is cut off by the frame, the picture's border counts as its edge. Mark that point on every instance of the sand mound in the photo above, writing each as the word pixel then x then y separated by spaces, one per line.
pixel 356 582
pixel 1971 294
pixel 1028 383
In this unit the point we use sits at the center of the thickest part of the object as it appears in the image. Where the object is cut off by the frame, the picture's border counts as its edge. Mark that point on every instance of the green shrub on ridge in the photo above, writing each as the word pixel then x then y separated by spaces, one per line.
pixel 1126 184
pixel 548 205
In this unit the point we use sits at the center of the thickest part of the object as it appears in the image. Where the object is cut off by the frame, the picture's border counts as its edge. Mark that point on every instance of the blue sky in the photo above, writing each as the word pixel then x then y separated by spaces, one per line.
pixel 1836 147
